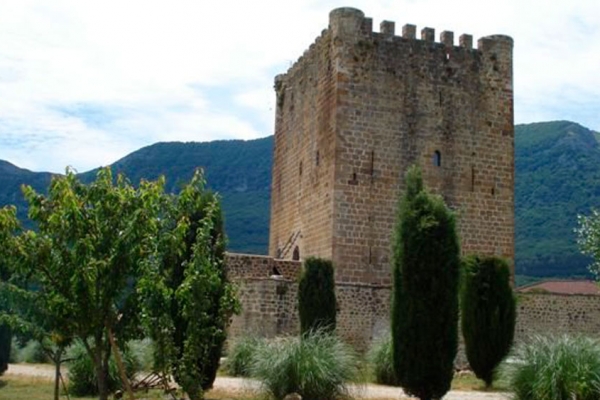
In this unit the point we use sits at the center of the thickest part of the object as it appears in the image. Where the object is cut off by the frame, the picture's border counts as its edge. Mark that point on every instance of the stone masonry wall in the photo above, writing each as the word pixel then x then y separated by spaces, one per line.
pixel 544 313
pixel 357 109
pixel 301 189
pixel 267 289
pixel 270 307
pixel 249 266
pixel 270 304
pixel 404 101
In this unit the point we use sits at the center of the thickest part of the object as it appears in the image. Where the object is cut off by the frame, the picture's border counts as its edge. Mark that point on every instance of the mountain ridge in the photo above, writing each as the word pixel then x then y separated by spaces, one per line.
pixel 557 176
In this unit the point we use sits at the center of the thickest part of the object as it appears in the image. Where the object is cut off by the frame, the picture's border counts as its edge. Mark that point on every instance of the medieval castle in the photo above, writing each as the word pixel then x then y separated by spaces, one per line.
pixel 357 109
pixel 353 113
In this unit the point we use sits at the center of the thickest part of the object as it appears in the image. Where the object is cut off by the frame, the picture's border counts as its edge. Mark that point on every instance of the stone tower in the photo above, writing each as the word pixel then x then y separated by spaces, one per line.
pixel 357 109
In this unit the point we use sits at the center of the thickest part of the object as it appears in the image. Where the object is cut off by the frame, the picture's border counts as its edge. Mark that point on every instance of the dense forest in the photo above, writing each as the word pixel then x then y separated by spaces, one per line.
pixel 557 176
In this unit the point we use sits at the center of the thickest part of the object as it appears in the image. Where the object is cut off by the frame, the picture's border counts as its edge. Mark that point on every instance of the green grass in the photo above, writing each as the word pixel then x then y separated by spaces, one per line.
pixel 556 368
pixel 467 381
pixel 380 361
pixel 241 355
pixel 318 366
pixel 16 387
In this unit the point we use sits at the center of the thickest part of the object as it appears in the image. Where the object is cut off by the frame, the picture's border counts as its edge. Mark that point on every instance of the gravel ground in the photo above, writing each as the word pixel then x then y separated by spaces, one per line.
pixel 241 385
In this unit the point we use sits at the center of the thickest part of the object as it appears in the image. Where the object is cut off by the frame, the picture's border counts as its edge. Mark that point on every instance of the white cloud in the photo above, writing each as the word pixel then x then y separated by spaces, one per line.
pixel 83 83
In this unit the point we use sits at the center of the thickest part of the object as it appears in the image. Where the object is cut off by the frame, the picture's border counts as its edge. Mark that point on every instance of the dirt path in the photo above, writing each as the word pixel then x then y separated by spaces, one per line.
pixel 33 370
pixel 228 384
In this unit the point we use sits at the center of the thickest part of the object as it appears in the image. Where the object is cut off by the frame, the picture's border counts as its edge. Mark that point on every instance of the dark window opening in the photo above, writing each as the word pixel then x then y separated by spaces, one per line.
pixel 472 179
pixel 296 255
pixel 300 169
pixel 437 158
pixel 493 191
pixel 317 158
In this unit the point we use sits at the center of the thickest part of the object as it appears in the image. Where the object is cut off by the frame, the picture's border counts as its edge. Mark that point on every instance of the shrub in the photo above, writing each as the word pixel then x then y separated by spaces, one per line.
pixel 32 353
pixel 241 354
pixel 143 353
pixel 488 314
pixel 82 375
pixel 316 296
pixel 381 361
pixel 187 299
pixel 316 366
pixel 426 265
pixel 556 368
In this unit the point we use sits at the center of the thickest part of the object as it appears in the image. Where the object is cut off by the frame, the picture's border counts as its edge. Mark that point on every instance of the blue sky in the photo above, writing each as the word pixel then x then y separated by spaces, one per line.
pixel 84 83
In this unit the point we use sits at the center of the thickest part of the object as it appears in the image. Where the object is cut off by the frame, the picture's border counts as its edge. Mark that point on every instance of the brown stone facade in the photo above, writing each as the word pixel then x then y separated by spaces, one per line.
pixel 270 302
pixel 357 109
pixel 270 307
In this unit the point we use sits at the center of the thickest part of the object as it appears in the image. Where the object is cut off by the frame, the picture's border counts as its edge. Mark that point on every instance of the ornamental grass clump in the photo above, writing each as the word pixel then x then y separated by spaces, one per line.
pixel 381 361
pixel 241 354
pixel 316 366
pixel 556 368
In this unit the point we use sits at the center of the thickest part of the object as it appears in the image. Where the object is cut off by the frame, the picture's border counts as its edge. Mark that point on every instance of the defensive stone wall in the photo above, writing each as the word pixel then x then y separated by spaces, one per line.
pixel 543 313
pixel 270 306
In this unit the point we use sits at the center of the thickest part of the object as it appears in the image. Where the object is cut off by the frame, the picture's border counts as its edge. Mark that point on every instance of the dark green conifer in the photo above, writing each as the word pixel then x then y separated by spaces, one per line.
pixel 426 265
pixel 488 313
pixel 316 296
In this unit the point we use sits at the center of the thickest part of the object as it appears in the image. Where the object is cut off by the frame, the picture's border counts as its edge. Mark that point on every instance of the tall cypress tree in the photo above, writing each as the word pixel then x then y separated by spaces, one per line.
pixel 316 296
pixel 8 226
pixel 488 314
pixel 426 263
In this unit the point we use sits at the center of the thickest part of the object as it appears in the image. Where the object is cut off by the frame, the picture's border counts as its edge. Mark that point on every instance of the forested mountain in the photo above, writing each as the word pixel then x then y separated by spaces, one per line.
pixel 240 171
pixel 557 176
pixel 11 179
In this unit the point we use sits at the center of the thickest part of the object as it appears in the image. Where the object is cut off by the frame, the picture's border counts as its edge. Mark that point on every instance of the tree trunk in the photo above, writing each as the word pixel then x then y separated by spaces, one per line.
pixel 57 360
pixel 120 366
pixel 101 365
pixel 56 357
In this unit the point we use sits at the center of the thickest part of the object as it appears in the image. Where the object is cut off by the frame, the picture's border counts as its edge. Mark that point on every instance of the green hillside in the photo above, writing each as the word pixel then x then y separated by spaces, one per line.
pixel 240 171
pixel 11 179
pixel 557 176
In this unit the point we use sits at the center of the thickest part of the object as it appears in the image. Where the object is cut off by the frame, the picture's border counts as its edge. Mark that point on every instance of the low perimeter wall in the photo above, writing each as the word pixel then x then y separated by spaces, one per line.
pixel 270 308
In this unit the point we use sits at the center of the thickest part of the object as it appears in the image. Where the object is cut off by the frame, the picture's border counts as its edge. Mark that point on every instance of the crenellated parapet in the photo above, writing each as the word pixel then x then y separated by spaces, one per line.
pixel 351 23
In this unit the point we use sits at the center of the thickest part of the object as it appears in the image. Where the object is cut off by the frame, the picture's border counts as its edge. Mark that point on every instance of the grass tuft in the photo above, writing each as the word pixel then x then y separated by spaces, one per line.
pixel 380 361
pixel 316 366
pixel 556 368
pixel 241 354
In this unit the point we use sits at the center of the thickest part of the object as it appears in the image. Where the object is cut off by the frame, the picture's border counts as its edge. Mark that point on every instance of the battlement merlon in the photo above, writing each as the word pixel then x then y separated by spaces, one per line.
pixel 497 56
pixel 350 23
pixel 491 43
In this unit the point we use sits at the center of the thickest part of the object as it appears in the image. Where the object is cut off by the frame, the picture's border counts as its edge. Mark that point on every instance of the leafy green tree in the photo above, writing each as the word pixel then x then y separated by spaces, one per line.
pixel 588 238
pixel 188 299
pixel 86 258
pixel 316 296
pixel 488 314
pixel 8 227
pixel 24 310
pixel 424 317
